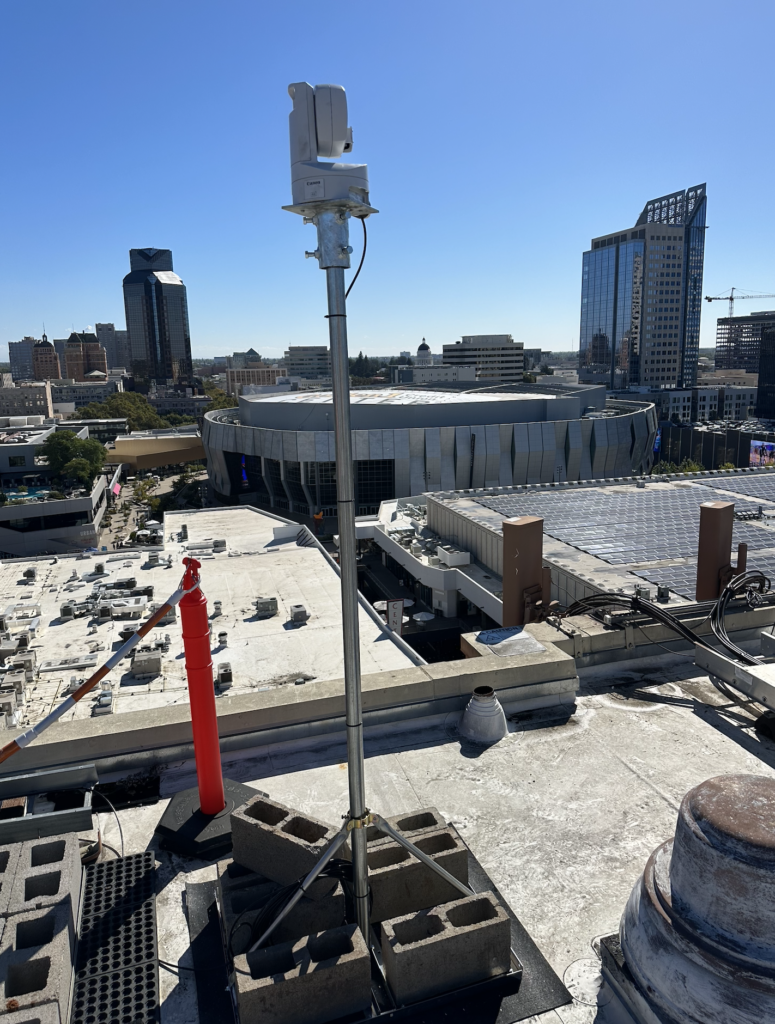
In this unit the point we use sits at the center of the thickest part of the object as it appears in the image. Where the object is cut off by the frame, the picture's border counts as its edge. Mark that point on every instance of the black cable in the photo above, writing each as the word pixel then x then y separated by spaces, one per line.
pixel 363 257
pixel 115 814
pixel 682 654
pixel 638 604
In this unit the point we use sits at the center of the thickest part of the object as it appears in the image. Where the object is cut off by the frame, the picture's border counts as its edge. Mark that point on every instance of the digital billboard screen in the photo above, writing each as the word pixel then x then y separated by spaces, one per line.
pixel 762 453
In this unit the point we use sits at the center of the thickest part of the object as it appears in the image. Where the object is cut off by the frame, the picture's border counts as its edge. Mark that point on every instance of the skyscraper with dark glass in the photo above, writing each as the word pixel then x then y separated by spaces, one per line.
pixel 156 318
pixel 641 296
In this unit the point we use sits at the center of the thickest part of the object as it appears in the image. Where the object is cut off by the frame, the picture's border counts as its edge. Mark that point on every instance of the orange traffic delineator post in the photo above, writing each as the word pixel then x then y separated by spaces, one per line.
pixel 197 821
pixel 201 692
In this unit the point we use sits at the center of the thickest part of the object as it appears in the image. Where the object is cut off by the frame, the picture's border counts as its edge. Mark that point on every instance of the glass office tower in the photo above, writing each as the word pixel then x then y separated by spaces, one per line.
pixel 641 297
pixel 156 318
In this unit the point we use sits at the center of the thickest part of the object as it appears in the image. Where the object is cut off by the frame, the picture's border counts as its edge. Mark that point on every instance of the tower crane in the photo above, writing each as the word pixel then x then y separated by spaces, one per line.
pixel 731 299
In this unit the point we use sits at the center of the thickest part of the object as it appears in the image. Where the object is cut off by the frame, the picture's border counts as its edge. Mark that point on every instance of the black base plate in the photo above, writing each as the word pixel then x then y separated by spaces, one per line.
pixel 184 829
pixel 501 1000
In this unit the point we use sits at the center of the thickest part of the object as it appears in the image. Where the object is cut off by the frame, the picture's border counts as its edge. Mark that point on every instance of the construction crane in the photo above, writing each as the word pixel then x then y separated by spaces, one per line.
pixel 731 299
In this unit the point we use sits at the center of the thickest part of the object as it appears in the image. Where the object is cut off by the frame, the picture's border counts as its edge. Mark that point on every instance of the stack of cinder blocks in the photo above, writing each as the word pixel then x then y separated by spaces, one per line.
pixel 40 891
pixel 317 967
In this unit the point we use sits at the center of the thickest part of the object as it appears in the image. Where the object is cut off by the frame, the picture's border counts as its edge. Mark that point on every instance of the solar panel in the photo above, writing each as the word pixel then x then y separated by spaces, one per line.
pixel 759 486
pixel 626 527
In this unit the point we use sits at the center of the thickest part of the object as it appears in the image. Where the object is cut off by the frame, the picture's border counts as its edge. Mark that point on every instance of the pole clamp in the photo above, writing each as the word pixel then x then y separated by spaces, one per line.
pixel 363 822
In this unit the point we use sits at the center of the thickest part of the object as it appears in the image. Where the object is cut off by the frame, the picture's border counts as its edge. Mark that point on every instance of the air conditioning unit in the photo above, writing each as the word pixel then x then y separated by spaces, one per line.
pixel 67 611
pixel 298 613
pixel 266 607
pixel 224 677
pixel 31 574
pixel 219 545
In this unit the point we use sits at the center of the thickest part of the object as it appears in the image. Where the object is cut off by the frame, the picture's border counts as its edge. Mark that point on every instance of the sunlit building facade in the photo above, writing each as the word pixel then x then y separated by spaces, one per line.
pixel 641 297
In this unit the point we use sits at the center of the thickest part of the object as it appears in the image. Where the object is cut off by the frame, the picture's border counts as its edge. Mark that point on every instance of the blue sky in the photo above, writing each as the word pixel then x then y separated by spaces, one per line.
pixel 500 137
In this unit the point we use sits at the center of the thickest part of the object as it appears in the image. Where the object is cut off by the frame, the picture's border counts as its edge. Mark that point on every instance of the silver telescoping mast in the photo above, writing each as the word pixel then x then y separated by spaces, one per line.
pixel 328 195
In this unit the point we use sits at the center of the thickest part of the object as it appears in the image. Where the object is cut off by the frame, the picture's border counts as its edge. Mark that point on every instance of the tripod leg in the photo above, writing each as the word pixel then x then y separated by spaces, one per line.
pixel 337 841
pixel 380 823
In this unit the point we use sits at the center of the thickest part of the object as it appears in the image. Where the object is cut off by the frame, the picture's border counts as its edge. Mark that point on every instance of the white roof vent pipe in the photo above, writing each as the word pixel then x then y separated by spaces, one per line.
pixel 484 721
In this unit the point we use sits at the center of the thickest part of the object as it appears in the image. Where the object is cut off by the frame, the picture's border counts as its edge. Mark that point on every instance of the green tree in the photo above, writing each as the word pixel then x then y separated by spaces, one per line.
pixel 133 407
pixel 78 469
pixel 219 399
pixel 70 456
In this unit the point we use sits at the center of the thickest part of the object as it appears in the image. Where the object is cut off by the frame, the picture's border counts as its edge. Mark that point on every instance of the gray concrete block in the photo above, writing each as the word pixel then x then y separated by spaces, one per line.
pixel 36 961
pixel 445 948
pixel 46 1014
pixel 411 825
pixel 401 884
pixel 48 872
pixel 9 861
pixel 243 895
pixel 278 842
pixel 316 979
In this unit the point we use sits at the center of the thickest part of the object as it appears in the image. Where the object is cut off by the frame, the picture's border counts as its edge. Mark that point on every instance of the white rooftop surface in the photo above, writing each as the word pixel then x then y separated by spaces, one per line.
pixel 262 653
pixel 562 814
pixel 386 397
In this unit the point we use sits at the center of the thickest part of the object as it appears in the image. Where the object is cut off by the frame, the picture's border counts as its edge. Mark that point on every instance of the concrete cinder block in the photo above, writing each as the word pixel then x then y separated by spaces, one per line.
pixel 9 861
pixel 316 979
pixel 243 895
pixel 411 825
pixel 47 1014
pixel 48 872
pixel 446 948
pixel 278 842
pixel 401 884
pixel 36 961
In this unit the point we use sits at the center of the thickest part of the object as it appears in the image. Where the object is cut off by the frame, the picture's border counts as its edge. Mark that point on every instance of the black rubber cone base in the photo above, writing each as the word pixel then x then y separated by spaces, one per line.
pixel 184 829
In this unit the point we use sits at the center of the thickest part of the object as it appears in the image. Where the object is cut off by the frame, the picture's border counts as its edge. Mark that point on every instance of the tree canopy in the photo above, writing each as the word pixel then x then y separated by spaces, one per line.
pixel 132 406
pixel 218 398
pixel 72 457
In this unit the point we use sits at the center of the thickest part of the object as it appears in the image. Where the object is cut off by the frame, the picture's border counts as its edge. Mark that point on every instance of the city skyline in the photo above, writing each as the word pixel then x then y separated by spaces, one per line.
pixel 221 175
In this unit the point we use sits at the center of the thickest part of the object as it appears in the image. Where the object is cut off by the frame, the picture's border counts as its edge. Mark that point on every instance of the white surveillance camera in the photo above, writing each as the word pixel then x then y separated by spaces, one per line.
pixel 318 127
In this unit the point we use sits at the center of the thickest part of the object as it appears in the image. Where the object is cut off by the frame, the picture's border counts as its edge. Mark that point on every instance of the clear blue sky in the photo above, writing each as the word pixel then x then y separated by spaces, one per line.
pixel 499 136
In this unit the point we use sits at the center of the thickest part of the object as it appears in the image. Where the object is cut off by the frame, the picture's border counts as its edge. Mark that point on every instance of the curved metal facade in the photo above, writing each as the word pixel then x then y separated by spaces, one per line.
pixel 293 469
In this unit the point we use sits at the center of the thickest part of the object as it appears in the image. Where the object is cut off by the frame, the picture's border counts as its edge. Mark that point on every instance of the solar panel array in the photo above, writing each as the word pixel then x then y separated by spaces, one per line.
pixel 760 486
pixel 683 578
pixel 625 527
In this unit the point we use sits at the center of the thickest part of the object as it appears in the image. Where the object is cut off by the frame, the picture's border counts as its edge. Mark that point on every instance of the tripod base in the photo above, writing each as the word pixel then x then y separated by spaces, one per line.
pixel 185 830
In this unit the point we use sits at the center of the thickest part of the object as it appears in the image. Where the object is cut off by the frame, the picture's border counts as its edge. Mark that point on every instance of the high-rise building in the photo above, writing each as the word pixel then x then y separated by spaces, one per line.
pixel 244 360
pixel 496 357
pixel 310 361
pixel 115 344
pixel 765 404
pixel 59 348
pixel 45 361
pixel 85 358
pixel 20 357
pixel 156 318
pixel 641 296
pixel 738 340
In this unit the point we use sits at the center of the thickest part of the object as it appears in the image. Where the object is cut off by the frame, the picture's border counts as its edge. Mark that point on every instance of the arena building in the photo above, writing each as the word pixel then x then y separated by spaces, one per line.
pixel 277 451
